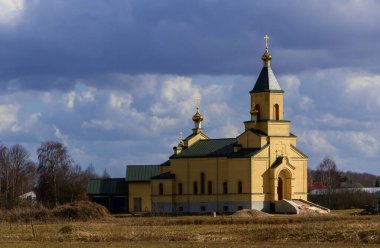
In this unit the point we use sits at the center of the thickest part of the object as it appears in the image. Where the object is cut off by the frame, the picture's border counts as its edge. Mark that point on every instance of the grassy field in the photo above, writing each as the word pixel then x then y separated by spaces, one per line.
pixel 334 230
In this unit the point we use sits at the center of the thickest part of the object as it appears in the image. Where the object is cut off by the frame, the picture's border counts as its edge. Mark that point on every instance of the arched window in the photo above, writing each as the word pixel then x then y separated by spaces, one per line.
pixel 276 112
pixel 195 188
pixel 225 188
pixel 257 108
pixel 160 189
pixel 240 187
pixel 209 187
pixel 203 183
pixel 180 188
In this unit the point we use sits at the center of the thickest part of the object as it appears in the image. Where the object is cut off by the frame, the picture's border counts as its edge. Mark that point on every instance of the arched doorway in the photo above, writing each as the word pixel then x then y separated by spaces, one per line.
pixel 280 189
pixel 284 187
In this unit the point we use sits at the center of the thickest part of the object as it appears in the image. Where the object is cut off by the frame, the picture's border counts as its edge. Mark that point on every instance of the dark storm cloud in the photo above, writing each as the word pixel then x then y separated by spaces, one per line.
pixel 56 41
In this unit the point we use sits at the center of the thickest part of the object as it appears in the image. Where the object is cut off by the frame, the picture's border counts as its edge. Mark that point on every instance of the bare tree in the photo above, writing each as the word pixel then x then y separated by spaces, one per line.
pixel 22 170
pixel 17 174
pixel 4 176
pixel 54 163
pixel 327 173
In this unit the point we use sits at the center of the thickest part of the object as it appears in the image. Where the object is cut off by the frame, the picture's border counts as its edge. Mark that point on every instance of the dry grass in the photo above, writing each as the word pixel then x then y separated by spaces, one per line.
pixel 200 231
pixel 78 211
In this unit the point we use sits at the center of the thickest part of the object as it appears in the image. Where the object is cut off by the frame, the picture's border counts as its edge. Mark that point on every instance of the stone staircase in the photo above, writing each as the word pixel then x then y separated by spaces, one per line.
pixel 306 207
pixel 299 206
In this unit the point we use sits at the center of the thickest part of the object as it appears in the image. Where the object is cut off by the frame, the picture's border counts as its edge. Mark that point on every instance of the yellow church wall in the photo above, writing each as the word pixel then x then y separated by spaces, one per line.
pixel 261 98
pixel 216 170
pixel 250 140
pixel 300 179
pixel 238 170
pixel 281 146
pixel 140 190
pixel 276 98
pixel 164 169
pixel 259 178
pixel 274 128
pixel 167 187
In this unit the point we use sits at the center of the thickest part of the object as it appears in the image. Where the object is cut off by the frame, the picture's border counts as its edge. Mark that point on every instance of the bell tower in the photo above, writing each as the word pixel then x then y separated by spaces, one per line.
pixel 267 104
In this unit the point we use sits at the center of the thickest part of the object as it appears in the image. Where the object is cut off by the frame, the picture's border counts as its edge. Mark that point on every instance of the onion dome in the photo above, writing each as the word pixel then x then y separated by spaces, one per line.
pixel 197 117
pixel 266 56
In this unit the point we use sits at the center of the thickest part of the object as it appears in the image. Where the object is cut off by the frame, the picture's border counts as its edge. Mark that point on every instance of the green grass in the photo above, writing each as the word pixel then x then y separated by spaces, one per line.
pixel 348 211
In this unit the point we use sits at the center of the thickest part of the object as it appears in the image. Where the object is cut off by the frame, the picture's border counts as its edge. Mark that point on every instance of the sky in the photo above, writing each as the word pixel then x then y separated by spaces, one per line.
pixel 116 81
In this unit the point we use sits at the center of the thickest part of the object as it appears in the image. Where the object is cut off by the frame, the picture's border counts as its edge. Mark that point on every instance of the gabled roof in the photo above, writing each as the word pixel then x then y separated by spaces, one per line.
pixel 141 173
pixel 298 151
pixel 194 134
pixel 166 175
pixel 107 186
pixel 266 82
pixel 208 148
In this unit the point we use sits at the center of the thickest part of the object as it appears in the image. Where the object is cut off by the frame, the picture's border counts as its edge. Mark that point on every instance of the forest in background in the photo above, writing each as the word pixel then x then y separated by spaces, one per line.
pixel 55 177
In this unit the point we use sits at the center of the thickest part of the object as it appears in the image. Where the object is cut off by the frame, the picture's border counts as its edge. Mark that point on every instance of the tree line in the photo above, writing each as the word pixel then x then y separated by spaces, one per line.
pixel 339 189
pixel 55 177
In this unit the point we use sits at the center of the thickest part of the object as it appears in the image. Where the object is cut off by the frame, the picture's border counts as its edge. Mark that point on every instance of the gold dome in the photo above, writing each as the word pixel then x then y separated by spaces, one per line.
pixel 266 56
pixel 197 117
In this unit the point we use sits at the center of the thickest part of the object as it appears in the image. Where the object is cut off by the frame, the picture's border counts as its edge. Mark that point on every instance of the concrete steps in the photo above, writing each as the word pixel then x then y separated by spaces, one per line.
pixel 306 207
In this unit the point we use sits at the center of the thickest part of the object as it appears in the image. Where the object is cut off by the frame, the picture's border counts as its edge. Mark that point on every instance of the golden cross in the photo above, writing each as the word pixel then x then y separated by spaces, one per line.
pixel 266 38
pixel 197 101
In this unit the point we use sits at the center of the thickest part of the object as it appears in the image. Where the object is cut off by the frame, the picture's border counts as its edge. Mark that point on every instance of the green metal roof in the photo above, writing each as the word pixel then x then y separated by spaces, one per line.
pixel 107 186
pixel 208 148
pixel 247 152
pixel 141 173
pixel 166 175
pixel 267 82
pixel 217 148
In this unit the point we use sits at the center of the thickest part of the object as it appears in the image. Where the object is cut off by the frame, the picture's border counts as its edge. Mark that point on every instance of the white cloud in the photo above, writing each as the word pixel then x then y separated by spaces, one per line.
pixel 10 10
pixel 88 95
pixel 8 116
pixel 99 124
pixel 58 134
pixel 230 130
pixel 46 97
pixel 28 124
pixel 70 99
pixel 318 142
pixel 361 142
pixel 120 101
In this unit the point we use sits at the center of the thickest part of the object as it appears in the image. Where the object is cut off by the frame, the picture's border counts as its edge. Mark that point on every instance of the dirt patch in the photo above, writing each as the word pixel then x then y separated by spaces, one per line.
pixel 248 213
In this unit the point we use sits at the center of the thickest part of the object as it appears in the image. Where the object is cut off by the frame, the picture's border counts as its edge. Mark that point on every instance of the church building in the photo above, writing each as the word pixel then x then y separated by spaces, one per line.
pixel 256 170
